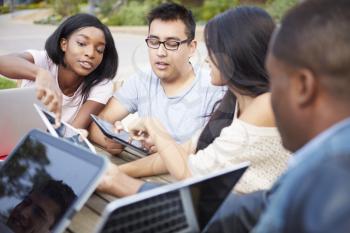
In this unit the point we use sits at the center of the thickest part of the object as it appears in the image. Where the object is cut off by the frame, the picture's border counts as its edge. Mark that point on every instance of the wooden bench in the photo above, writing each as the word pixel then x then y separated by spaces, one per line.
pixel 87 219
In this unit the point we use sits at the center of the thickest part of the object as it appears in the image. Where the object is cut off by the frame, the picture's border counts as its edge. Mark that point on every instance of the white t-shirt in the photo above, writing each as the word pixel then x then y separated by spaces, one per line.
pixel 241 142
pixel 70 104
pixel 183 114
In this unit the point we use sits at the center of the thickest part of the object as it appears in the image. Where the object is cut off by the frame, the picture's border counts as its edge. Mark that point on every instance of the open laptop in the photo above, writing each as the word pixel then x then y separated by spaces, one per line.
pixel 186 206
pixel 44 182
pixel 17 117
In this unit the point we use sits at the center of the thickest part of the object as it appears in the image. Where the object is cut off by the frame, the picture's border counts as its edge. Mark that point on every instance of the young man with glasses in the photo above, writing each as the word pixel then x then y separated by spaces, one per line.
pixel 178 94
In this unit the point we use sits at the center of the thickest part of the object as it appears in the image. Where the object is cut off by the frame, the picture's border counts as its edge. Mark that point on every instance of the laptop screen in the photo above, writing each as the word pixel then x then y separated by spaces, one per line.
pixel 41 181
pixel 207 196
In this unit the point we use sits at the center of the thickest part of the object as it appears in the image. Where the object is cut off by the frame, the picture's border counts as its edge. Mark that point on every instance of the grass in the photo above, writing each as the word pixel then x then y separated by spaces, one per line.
pixel 6 83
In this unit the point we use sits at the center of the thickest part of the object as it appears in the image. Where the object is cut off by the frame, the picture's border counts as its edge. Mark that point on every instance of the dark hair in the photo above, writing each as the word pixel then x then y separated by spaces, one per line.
pixel 59 192
pixel 237 42
pixel 109 64
pixel 316 35
pixel 171 12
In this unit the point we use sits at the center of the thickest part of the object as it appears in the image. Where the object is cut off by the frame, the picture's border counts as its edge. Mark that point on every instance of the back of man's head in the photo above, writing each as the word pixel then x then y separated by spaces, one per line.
pixel 172 12
pixel 316 35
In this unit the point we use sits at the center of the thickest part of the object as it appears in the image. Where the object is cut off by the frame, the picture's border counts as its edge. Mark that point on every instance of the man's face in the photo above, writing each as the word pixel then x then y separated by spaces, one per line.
pixel 166 64
pixel 283 103
pixel 35 214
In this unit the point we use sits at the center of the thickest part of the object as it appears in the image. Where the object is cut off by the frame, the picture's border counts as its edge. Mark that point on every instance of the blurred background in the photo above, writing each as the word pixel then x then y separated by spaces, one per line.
pixel 133 12
pixel 25 24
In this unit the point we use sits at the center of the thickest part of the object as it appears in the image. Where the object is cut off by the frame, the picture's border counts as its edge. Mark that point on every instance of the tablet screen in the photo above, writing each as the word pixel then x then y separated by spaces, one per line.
pixel 68 133
pixel 39 182
pixel 122 135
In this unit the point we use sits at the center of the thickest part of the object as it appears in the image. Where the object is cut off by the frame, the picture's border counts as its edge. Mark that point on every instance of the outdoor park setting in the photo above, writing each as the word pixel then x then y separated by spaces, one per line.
pixel 128 15
pixel 174 116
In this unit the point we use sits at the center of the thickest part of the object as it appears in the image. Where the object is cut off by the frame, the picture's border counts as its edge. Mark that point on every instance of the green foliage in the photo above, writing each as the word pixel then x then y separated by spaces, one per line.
pixel 65 8
pixel 133 13
pixel 210 8
pixel 6 83
pixel 277 8
pixel 4 9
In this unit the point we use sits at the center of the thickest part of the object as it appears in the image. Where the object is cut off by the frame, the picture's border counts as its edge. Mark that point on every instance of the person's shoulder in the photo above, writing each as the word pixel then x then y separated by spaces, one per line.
pixel 106 84
pixel 202 73
pixel 141 76
pixel 204 79
pixel 41 58
pixel 259 112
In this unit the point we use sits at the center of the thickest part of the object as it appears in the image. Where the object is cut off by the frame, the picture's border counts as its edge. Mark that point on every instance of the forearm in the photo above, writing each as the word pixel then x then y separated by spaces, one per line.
pixel 174 157
pixel 83 118
pixel 148 166
pixel 16 67
pixel 112 112
pixel 96 136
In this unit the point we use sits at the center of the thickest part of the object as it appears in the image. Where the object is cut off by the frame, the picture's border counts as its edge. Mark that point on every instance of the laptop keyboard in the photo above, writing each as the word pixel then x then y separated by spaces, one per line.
pixel 161 214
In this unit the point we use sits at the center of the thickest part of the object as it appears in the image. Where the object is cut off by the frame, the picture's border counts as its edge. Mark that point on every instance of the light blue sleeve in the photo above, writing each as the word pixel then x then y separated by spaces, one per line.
pixel 128 94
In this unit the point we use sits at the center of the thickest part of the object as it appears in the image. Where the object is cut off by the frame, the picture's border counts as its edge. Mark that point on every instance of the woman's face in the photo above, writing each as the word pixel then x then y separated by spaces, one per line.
pixel 215 74
pixel 83 50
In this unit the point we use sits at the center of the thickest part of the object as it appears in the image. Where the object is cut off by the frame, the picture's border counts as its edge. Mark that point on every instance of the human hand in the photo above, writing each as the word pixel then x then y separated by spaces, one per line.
pixel 112 146
pixel 48 93
pixel 83 133
pixel 107 181
pixel 147 130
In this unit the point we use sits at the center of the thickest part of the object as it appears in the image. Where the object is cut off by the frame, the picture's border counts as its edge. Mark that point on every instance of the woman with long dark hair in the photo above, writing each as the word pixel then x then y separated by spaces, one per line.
pixel 74 71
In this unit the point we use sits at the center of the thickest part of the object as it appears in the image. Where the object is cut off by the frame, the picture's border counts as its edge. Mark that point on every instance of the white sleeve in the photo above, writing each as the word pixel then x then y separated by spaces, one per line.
pixel 40 59
pixel 101 92
pixel 232 141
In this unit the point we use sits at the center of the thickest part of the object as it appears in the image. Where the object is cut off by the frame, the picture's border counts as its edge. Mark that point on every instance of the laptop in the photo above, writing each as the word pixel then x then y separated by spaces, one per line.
pixel 44 182
pixel 186 206
pixel 17 117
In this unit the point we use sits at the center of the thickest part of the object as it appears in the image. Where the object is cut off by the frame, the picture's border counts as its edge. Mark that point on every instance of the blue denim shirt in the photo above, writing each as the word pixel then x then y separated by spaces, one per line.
pixel 329 146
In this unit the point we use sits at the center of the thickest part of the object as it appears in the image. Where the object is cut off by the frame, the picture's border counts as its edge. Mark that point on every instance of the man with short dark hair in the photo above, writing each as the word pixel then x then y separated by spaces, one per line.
pixel 175 92
pixel 40 210
pixel 308 64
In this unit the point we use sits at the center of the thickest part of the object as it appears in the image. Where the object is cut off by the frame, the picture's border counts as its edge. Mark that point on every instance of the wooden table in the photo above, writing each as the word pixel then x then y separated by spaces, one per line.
pixel 87 219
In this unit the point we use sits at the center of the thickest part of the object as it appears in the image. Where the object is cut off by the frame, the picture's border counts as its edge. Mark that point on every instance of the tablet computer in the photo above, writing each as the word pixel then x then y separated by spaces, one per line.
pixel 64 131
pixel 122 137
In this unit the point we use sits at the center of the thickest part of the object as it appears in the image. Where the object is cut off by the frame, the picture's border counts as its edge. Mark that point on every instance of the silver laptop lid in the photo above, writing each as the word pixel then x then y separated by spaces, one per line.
pixel 17 116
pixel 185 206
pixel 44 182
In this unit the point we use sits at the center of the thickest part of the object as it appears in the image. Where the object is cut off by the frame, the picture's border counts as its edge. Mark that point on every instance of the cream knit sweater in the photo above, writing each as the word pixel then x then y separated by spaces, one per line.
pixel 241 142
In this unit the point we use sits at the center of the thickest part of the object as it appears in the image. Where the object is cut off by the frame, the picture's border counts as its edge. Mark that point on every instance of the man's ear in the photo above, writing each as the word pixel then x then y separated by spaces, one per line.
pixel 193 47
pixel 63 44
pixel 305 86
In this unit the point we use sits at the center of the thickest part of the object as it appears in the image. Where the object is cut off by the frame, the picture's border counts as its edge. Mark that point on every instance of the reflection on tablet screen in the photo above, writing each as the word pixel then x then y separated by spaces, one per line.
pixel 66 133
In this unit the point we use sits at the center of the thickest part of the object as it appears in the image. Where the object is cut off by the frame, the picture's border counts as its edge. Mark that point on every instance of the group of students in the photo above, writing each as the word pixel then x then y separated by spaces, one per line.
pixel 193 122
pixel 295 75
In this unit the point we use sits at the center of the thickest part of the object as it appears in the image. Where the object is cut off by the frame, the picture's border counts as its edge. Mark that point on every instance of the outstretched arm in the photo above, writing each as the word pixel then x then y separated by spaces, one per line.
pixel 21 66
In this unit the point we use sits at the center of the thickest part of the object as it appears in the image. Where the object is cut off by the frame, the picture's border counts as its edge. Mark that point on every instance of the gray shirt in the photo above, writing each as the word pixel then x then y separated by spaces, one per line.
pixel 183 114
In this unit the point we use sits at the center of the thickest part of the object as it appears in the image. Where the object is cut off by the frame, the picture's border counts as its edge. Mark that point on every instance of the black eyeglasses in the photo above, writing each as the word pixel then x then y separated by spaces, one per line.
pixel 171 44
